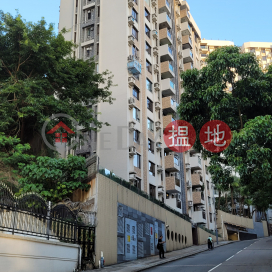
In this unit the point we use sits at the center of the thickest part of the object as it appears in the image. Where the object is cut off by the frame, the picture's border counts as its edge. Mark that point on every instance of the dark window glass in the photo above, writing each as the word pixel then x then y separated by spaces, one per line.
pixel 152 190
pixel 149 104
pixel 150 146
pixel 149 85
pixel 147 31
pixel 147 15
pixel 148 48
pixel 150 125
pixel 135 15
pixel 148 67
pixel 135 33
pixel 136 92
pixel 151 169
pixel 136 136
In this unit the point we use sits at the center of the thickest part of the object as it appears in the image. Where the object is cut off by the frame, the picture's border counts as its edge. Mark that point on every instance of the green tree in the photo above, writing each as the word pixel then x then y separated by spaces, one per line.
pixel 207 97
pixel 38 78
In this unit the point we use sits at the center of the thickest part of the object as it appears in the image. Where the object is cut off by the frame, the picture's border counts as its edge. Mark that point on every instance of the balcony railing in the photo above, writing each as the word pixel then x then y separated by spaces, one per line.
pixel 134 66
pixel 172 85
pixel 205 47
pixel 171 68
pixel 168 18
pixel 170 50
pixel 169 34
pixel 167 4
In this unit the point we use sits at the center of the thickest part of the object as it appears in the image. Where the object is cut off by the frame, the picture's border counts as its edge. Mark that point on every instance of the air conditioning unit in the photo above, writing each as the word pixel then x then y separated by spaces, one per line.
pixel 157 86
pixel 131 21
pixel 160 190
pixel 154 17
pixel 190 203
pixel 154 3
pixel 155 51
pixel 187 165
pixel 131 81
pixel 178 196
pixel 131 103
pixel 178 27
pixel 180 68
pixel 178 13
pixel 155 34
pixel 131 3
pixel 132 151
pixel 131 40
pixel 157 105
pixel 131 126
pixel 158 125
pixel 132 177
pixel 159 168
pixel 179 40
pixel 180 54
pixel 189 185
pixel 156 68
pixel 158 146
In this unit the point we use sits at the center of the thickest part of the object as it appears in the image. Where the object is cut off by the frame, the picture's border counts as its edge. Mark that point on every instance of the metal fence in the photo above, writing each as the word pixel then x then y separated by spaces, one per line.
pixel 31 215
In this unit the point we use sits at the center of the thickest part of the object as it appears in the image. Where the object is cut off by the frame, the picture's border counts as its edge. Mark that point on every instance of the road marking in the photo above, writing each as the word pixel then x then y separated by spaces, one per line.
pixel 230 258
pixel 214 268
pixel 245 247
pixel 238 252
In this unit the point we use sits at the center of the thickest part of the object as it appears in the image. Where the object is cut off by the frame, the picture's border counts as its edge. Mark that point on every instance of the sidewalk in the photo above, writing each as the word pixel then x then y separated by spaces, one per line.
pixel 145 263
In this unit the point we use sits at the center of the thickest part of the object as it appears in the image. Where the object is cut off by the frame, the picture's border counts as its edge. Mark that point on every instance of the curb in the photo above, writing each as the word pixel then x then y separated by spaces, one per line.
pixel 175 258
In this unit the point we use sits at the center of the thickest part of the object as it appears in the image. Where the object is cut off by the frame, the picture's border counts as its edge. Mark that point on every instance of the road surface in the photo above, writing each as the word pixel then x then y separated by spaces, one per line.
pixel 244 256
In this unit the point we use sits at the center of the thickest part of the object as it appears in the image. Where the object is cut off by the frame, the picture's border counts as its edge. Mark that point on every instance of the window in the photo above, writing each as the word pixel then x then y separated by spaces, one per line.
pixel 135 15
pixel 264 58
pixel 148 67
pixel 137 161
pixel 208 186
pixel 148 48
pixel 137 183
pixel 176 161
pixel 147 31
pixel 136 136
pixel 136 114
pixel 147 15
pixel 152 190
pixel 135 33
pixel 150 124
pixel 98 11
pixel 211 217
pixel 149 104
pixel 136 92
pixel 135 51
pixel 97 49
pixel 151 169
pixel 263 50
pixel 149 85
pixel 150 146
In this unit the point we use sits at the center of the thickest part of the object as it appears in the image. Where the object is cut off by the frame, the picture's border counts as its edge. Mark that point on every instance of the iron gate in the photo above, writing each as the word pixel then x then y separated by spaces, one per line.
pixel 31 215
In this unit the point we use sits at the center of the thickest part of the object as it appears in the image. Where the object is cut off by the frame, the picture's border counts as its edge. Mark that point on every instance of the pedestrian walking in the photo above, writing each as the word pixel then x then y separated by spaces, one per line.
pixel 210 242
pixel 160 247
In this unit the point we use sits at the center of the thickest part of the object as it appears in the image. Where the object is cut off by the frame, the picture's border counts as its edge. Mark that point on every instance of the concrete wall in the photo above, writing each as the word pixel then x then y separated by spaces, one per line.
pixel 234 219
pixel 203 236
pixel 265 230
pixel 110 194
pixel 25 254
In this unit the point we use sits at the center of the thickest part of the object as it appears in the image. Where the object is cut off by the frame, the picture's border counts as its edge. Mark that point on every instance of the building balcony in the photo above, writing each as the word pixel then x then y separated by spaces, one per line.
pixel 166 53
pixel 185 15
pixel 187 55
pixel 165 21
pixel 167 70
pixel 198 198
pixel 185 29
pixel 197 180
pixel 204 48
pixel 168 87
pixel 199 217
pixel 172 184
pixel 164 6
pixel 171 163
pixel 188 66
pixel 167 120
pixel 165 37
pixel 187 42
pixel 168 105
pixel 134 66
pixel 88 4
pixel 195 163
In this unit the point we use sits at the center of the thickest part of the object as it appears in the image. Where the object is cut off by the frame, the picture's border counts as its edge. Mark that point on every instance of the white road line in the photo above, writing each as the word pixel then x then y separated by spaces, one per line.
pixel 214 268
pixel 245 247
pixel 238 252
pixel 229 258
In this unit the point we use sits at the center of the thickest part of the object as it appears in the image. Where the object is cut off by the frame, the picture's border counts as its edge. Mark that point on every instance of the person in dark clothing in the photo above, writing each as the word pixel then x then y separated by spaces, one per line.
pixel 160 247
pixel 210 247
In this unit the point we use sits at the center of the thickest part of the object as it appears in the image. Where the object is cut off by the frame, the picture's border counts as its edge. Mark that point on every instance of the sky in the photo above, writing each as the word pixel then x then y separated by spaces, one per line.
pixel 233 20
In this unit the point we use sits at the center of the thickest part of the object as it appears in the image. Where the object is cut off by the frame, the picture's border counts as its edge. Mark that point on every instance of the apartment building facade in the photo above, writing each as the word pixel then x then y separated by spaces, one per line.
pixel 146 44
pixel 262 50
